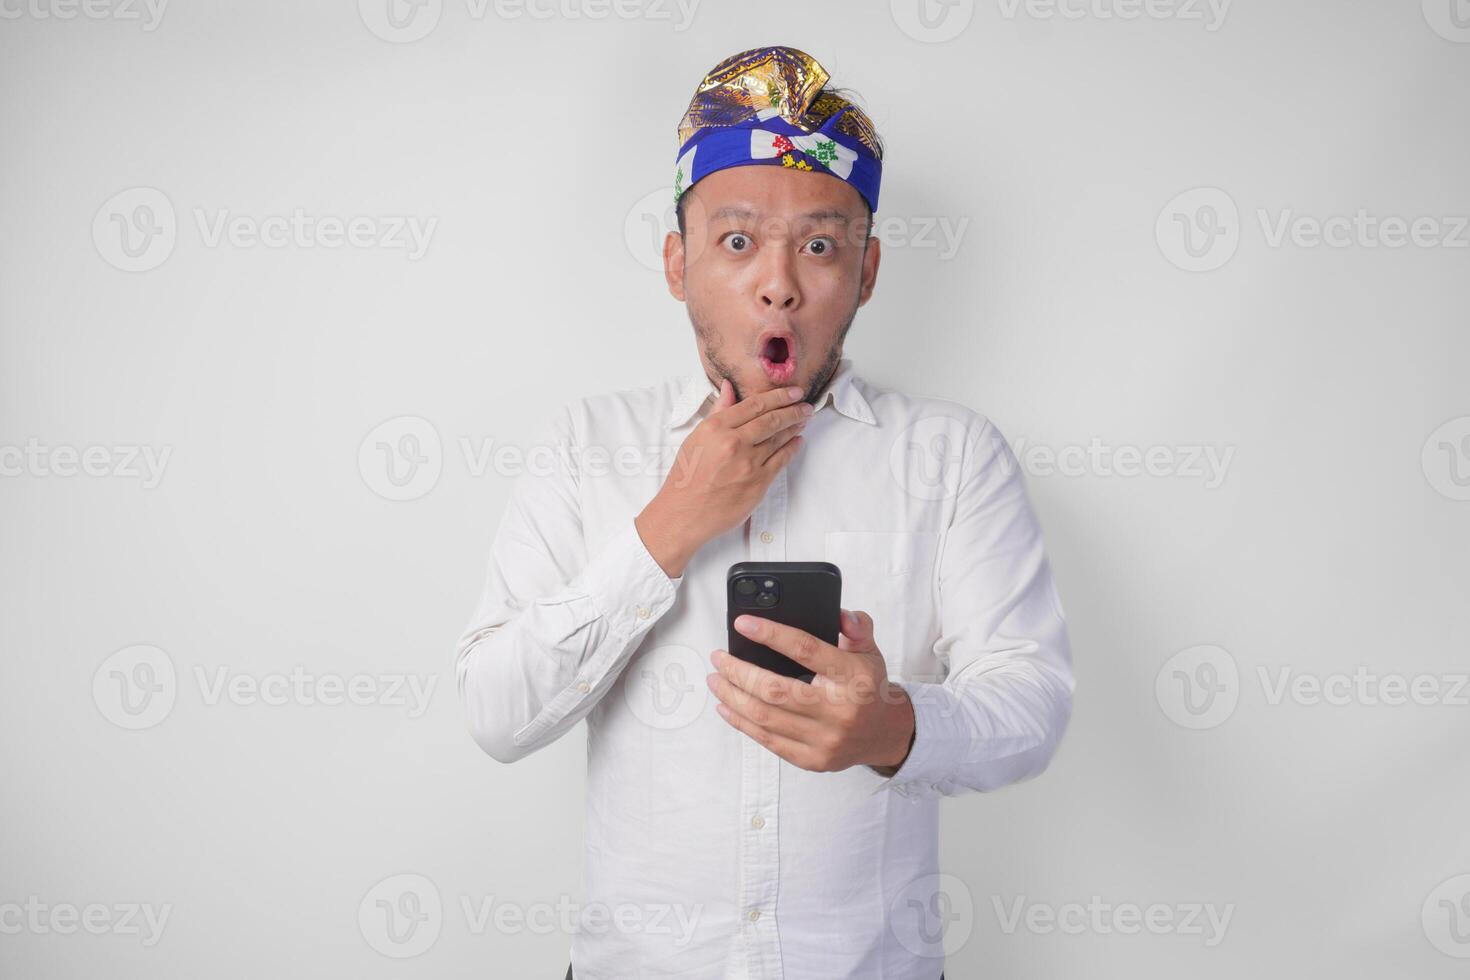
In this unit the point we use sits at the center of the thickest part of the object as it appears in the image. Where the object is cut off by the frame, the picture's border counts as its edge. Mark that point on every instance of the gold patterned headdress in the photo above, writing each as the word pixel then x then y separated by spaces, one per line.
pixel 770 106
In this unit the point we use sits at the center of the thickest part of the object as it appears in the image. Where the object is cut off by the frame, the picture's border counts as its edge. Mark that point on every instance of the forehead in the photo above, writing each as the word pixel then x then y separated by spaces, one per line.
pixel 775 192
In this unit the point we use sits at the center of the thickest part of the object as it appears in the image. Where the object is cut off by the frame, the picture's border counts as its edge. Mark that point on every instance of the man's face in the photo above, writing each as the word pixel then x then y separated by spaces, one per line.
pixel 773 264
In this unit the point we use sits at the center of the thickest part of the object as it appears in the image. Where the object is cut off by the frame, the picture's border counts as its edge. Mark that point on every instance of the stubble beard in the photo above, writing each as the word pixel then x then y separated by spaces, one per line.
pixel 708 339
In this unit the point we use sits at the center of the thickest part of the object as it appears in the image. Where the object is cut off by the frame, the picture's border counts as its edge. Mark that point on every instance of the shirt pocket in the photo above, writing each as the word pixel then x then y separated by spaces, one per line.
pixel 890 576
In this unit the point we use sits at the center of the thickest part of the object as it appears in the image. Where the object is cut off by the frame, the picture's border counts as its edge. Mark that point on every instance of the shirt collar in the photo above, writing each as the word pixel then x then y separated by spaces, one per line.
pixel 841 393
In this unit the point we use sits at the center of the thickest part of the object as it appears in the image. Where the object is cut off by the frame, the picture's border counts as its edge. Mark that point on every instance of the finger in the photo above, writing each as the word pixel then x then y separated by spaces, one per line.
pixel 782 456
pixel 742 412
pixel 789 749
pixel 799 645
pixel 727 395
pixel 767 685
pixel 772 717
pixel 778 440
pixel 856 631
pixel 762 427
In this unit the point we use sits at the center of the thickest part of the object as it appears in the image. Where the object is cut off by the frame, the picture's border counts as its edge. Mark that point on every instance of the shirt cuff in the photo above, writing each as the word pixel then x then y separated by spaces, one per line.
pixel 628 587
pixel 936 734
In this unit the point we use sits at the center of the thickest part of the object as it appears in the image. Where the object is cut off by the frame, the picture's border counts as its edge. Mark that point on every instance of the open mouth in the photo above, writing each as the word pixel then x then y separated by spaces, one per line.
pixel 778 358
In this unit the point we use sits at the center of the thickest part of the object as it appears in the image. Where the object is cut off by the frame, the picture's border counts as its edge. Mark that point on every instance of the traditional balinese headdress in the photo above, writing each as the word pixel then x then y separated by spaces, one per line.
pixel 768 106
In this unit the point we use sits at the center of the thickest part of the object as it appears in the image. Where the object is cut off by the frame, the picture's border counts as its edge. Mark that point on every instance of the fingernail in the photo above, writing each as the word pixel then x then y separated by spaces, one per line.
pixel 807 408
pixel 744 623
pixel 793 393
pixel 710 680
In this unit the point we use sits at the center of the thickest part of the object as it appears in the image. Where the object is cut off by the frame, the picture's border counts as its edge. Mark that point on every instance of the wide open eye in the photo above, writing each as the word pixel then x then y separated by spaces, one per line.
pixel 822 246
pixel 737 242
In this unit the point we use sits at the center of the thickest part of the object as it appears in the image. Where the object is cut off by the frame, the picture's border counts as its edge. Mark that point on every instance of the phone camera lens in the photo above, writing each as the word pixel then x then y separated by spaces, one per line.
pixel 766 599
pixel 745 586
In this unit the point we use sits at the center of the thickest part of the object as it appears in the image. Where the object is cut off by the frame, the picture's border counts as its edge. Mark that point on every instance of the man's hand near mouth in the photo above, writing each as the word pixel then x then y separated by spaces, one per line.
pixel 721 472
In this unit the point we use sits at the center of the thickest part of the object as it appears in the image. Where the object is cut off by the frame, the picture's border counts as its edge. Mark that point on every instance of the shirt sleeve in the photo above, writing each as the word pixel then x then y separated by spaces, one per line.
pixel 1006 697
pixel 555 624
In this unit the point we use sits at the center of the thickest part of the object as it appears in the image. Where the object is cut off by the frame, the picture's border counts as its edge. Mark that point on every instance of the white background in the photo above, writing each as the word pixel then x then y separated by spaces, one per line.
pixel 1059 141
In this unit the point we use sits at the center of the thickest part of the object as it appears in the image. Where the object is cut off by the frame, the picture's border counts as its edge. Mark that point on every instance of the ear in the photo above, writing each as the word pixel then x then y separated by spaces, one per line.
pixel 871 257
pixel 674 264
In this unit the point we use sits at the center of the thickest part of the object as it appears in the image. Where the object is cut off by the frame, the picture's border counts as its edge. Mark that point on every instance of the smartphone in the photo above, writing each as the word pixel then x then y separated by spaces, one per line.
pixel 803 594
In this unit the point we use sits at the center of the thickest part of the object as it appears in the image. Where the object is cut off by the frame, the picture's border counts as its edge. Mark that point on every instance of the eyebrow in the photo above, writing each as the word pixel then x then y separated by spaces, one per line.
pixel 737 211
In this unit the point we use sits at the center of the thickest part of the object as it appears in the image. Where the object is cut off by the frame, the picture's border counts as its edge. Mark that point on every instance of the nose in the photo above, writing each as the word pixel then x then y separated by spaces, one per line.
pixel 778 286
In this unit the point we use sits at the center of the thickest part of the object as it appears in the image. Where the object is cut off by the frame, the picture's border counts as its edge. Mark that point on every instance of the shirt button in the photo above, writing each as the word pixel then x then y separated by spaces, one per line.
pixel 755 914
pixel 757 822
pixel 583 686
pixel 642 612
pixel 767 537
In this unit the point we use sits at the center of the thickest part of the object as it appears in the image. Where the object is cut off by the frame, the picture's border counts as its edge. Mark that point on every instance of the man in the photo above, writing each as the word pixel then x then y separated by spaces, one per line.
pixel 748 824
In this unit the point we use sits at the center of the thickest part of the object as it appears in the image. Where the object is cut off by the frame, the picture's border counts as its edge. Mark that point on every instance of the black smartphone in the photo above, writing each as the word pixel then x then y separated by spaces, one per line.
pixel 803 594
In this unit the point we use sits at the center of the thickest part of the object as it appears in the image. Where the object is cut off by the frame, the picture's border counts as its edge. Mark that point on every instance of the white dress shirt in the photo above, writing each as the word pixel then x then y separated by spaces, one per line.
pixel 706 855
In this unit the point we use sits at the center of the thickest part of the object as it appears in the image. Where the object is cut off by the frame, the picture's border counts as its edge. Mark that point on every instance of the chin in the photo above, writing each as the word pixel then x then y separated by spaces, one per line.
pixel 760 383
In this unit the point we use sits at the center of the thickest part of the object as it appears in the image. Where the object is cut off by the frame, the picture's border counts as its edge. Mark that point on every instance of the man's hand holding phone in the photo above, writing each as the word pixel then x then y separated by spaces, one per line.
pixel 721 472
pixel 848 715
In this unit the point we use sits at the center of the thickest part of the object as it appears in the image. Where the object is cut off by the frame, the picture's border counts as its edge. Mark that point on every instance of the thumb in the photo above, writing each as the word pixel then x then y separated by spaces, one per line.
pixel 857 631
